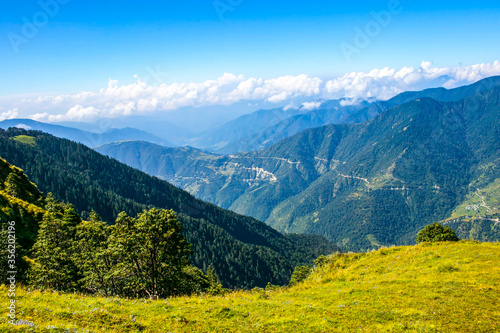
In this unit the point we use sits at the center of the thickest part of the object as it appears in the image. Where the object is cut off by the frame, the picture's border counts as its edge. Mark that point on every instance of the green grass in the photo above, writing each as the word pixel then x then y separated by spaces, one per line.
pixel 447 287
pixel 28 140
pixel 373 240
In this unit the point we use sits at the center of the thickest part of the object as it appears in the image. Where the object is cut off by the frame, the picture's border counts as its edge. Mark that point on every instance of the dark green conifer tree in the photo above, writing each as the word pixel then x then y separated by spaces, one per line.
pixel 52 265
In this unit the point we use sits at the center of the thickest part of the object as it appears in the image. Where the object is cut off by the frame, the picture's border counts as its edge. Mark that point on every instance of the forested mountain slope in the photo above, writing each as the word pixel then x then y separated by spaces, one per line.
pixel 22 204
pixel 439 94
pixel 245 252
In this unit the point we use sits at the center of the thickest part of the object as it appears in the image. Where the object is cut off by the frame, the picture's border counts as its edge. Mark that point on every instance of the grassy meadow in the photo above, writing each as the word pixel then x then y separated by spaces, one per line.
pixel 443 287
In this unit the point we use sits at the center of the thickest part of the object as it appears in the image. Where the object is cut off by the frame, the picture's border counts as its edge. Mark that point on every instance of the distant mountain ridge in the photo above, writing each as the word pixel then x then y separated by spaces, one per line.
pixel 291 126
pixel 264 128
pixel 250 132
pixel 439 94
pixel 90 139
pixel 360 185
pixel 167 131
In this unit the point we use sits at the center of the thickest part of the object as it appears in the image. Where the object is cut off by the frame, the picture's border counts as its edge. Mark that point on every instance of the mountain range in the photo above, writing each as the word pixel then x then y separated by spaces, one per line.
pixel 362 185
pixel 264 128
pixel 249 132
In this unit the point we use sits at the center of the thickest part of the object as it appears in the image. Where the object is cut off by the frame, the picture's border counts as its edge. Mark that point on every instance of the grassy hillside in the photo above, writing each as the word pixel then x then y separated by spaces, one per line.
pixel 446 287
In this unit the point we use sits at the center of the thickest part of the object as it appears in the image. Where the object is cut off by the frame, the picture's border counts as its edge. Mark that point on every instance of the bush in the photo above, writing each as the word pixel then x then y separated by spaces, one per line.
pixel 321 261
pixel 447 268
pixel 300 273
pixel 271 287
pixel 436 233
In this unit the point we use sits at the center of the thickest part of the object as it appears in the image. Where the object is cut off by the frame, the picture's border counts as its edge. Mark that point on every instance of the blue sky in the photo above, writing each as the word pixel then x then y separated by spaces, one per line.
pixel 86 43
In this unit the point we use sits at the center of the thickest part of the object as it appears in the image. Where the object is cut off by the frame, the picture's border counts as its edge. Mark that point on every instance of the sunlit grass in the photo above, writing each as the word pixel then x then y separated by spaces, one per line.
pixel 448 287
pixel 29 140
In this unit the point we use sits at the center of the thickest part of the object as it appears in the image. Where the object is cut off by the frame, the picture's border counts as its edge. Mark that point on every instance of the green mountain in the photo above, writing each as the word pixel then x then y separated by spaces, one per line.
pixel 331 112
pixel 362 185
pixel 218 138
pixel 22 203
pixel 245 252
pixel 439 94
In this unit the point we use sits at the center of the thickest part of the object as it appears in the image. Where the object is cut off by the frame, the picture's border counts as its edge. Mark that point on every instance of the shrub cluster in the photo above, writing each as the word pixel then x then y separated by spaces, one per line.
pixel 146 256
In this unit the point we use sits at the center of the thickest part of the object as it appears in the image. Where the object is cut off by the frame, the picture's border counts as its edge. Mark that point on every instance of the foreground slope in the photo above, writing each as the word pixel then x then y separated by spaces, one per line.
pixel 444 287
pixel 245 252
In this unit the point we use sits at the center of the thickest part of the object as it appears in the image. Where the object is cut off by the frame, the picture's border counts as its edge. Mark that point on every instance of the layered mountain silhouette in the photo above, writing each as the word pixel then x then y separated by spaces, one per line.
pixel 264 128
pixel 360 185
pixel 90 139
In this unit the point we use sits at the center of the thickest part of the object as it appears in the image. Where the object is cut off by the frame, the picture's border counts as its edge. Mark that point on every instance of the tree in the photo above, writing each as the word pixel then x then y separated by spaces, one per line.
pixel 93 257
pixel 321 261
pixel 193 281
pixel 151 251
pixel 13 185
pixel 53 266
pixel 213 278
pixel 52 205
pixel 214 283
pixel 436 233
pixel 300 273
pixel 70 218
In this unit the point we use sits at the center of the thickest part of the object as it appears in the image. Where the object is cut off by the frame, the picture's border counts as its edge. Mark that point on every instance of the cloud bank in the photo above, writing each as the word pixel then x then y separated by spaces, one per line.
pixel 140 98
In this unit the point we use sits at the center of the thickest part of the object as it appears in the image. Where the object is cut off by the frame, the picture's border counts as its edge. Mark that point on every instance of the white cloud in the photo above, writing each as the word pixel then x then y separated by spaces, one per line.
pixel 76 113
pixel 278 98
pixel 9 114
pixel 140 98
pixel 386 83
pixel 309 106
pixel 290 106
pixel 23 126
